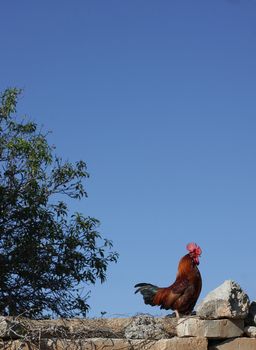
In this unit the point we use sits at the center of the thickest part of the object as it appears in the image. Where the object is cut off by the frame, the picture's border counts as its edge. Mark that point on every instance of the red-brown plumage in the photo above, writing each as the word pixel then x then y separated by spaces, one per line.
pixel 182 295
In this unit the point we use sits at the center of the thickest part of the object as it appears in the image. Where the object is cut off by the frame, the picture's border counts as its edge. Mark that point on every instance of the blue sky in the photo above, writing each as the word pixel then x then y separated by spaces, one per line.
pixel 158 97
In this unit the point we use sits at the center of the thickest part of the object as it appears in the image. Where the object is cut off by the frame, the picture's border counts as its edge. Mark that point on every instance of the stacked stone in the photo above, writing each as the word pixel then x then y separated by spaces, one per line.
pixel 221 318
pixel 225 320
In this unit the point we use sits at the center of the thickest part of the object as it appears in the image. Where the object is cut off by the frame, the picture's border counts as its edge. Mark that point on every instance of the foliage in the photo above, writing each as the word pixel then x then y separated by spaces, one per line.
pixel 46 252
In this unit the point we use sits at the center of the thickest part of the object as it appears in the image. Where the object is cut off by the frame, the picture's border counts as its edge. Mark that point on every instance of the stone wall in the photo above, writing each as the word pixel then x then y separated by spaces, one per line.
pixel 225 320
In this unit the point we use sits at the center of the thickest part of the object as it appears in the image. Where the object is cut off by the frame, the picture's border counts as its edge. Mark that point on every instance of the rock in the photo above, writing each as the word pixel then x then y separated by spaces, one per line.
pixel 145 327
pixel 251 318
pixel 212 329
pixel 111 344
pixel 250 331
pixel 235 344
pixel 226 301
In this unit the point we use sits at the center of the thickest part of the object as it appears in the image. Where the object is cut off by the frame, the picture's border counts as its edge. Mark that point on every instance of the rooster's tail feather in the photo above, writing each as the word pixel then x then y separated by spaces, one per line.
pixel 148 292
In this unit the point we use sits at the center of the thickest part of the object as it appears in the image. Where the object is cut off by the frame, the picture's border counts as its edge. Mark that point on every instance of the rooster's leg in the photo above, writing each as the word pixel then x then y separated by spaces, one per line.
pixel 177 313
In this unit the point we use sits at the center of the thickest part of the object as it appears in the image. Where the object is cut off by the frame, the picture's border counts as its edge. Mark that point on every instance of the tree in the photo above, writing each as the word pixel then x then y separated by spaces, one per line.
pixel 46 252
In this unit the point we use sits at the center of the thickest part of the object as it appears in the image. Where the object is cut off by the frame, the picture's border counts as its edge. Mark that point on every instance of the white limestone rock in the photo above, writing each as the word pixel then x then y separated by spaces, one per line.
pixel 211 329
pixel 250 331
pixel 235 344
pixel 226 301
pixel 109 344
pixel 145 327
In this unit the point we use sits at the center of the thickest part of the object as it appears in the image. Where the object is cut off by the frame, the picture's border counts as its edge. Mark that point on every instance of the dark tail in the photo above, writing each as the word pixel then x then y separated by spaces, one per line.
pixel 148 292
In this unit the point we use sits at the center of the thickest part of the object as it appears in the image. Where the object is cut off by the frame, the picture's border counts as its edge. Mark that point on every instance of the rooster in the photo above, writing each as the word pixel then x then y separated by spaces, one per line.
pixel 182 295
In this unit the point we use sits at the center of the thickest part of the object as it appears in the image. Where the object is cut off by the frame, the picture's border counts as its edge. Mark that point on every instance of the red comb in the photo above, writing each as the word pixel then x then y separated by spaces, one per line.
pixel 191 247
